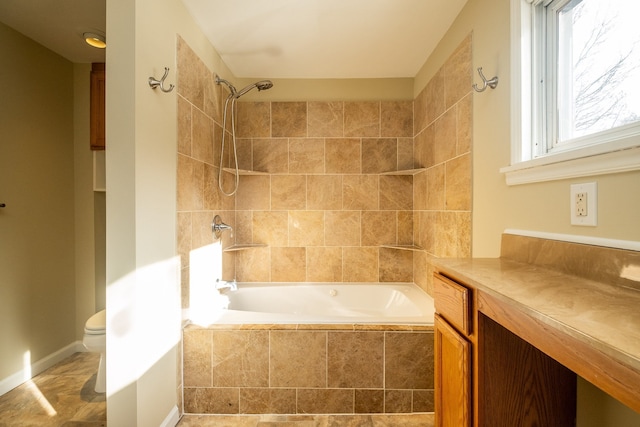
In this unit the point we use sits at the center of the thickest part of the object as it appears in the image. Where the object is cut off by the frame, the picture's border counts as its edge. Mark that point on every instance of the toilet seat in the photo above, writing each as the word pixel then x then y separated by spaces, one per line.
pixel 96 324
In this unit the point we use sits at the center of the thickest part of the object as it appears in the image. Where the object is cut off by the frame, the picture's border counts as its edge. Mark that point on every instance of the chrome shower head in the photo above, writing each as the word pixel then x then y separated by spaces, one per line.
pixel 261 85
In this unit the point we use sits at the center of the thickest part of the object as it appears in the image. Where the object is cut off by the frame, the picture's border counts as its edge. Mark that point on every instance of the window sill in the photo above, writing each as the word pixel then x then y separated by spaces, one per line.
pixel 572 164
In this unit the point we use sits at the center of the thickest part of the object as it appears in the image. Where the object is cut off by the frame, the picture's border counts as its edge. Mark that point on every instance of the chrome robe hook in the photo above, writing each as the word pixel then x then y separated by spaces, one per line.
pixel 154 83
pixel 492 83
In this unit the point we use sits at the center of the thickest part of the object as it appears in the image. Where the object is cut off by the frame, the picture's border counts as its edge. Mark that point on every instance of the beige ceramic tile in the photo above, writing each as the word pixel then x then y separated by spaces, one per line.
pixel 445 137
pixel 202 136
pixel 254 120
pixel 254 193
pixel 405 227
pixel 184 126
pixel 362 119
pixel 213 98
pixel 271 227
pixel 420 112
pixel 213 199
pixel 240 358
pixel 267 401
pixel 298 359
pixel 360 264
pixel 184 237
pixel 369 401
pixel 465 124
pixel 396 118
pixel 405 153
pixel 458 77
pixel 396 265
pixel 306 228
pixel 325 401
pixel 254 265
pixel 324 264
pixel 458 183
pixel 324 192
pixel 424 148
pixel 360 192
pixel 326 119
pixel 191 74
pixel 201 234
pixel 379 155
pixel 396 192
pixel 288 264
pixel 342 228
pixel 189 184
pixel 408 360
pixel 343 155
pixel 378 228
pixel 397 401
pixel 355 359
pixel 420 191
pixel 434 92
pixel 288 192
pixel 423 400
pixel 243 227
pixel 306 155
pixel 197 348
pixel 289 119
pixel 435 199
pixel 270 155
pixel 211 400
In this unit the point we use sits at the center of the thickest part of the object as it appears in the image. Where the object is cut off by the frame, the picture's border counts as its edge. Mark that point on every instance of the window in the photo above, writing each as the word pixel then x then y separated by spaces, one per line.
pixel 578 65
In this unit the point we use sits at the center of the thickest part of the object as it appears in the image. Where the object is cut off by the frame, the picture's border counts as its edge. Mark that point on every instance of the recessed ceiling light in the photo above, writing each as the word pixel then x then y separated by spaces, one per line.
pixel 95 40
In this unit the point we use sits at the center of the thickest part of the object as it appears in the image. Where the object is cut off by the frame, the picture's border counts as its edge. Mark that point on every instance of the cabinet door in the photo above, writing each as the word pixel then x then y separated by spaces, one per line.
pixel 97 107
pixel 452 376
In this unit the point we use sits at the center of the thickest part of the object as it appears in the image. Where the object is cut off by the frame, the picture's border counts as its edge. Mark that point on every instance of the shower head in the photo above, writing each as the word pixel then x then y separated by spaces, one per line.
pixel 260 85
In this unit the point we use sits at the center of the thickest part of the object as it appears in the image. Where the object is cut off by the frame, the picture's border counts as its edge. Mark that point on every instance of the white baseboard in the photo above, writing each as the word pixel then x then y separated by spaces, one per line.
pixel 14 380
pixel 172 419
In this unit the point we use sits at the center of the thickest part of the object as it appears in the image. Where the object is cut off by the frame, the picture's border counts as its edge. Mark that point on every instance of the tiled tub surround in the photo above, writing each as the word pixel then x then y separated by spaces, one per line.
pixel 324 208
pixel 308 369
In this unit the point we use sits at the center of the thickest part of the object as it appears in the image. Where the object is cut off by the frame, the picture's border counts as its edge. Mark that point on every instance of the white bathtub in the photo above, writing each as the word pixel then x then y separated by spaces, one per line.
pixel 319 303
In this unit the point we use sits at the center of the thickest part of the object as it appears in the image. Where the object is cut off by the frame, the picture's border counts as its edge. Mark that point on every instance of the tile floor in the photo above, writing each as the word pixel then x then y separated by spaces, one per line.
pixel 61 396
pixel 382 420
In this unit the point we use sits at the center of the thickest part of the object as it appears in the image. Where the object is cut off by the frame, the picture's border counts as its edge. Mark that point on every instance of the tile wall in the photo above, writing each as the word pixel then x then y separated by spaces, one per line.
pixel 307 371
pixel 324 206
pixel 325 209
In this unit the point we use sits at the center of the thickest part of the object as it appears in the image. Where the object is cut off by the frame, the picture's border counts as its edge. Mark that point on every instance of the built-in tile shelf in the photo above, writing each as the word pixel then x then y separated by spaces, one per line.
pixel 244 172
pixel 405 172
pixel 234 248
pixel 404 247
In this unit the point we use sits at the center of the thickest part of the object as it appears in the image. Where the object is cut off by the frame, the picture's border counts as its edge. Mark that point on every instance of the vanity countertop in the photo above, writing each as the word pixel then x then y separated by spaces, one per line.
pixel 603 316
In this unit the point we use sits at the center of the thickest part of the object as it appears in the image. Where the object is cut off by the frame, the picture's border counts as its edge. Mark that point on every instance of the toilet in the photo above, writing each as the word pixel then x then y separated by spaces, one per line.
pixel 95 340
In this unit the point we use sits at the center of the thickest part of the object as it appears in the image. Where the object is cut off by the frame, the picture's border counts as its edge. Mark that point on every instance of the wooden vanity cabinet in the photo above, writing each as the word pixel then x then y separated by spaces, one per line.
pixel 453 354
pixel 485 374
pixel 97 106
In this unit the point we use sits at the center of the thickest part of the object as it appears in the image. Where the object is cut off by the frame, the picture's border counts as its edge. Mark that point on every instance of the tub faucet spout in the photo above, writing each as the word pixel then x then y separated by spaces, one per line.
pixel 224 284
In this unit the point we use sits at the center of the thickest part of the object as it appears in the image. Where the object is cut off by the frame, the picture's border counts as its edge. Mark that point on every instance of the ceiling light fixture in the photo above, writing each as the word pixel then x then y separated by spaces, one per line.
pixel 95 40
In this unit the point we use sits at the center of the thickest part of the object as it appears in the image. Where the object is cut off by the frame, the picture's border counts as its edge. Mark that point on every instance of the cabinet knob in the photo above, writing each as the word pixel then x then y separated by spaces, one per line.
pixel 2 205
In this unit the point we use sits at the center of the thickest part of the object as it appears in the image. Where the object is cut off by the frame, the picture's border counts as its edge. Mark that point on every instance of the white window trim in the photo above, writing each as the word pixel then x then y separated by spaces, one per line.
pixel 622 155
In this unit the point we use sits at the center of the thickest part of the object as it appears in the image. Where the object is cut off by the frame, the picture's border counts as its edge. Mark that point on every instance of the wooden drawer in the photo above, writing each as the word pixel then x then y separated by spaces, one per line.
pixel 452 302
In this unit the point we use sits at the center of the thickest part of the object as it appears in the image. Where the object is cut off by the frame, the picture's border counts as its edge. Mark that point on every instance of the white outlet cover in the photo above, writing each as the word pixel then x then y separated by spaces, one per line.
pixel 591 219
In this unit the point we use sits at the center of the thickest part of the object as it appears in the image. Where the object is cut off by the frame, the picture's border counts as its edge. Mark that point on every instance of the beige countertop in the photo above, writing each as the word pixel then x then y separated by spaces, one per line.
pixel 603 316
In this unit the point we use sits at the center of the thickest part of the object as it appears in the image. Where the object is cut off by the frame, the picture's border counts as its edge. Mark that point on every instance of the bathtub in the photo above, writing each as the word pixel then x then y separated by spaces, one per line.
pixel 323 303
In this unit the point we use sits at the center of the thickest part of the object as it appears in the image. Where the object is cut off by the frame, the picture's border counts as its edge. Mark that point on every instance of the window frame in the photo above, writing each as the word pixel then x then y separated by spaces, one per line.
pixel 533 158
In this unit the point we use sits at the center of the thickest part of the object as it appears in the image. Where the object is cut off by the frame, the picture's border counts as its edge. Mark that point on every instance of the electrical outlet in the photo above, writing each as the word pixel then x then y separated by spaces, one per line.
pixel 584 202
pixel 581 204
